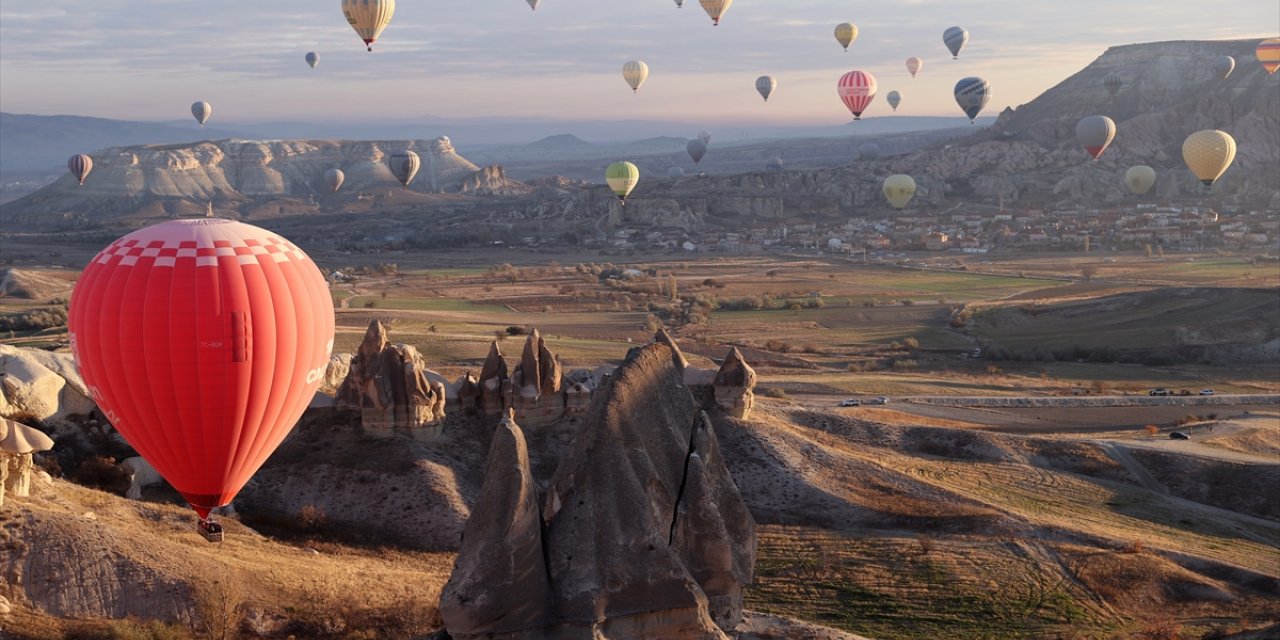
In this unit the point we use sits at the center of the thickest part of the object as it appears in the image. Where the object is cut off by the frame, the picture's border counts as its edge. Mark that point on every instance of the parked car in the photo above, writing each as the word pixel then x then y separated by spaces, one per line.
pixel 879 400
pixel 1159 392
pixel 1206 392
pixel 1178 435
pixel 852 402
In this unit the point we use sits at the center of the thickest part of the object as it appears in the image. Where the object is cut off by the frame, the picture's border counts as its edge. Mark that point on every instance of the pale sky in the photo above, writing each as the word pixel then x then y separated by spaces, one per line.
pixel 149 59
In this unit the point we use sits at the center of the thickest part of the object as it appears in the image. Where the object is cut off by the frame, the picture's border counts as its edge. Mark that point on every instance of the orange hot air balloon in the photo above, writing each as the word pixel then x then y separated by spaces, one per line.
pixel 202 341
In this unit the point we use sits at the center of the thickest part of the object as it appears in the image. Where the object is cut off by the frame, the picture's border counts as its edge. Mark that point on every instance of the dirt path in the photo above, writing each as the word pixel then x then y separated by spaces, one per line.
pixel 1117 452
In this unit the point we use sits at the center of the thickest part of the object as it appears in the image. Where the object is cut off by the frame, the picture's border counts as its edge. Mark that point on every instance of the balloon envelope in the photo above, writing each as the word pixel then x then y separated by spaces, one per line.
pixel 894 99
pixel 1095 134
pixel 405 165
pixel 313 59
pixel 846 33
pixel 201 111
pixel 775 164
pixel 696 148
pixel 705 137
pixel 1268 53
pixel 622 178
pixel 1113 83
pixel 80 165
pixel 675 172
pixel 715 9
pixel 869 151
pixel 1140 178
pixel 955 38
pixel 1223 66
pixel 334 178
pixel 899 189
pixel 914 65
pixel 765 85
pixel 368 17
pixel 635 73
pixel 857 89
pixel 1208 153
pixel 972 94
pixel 202 341
pixel 679 4
pixel 533 4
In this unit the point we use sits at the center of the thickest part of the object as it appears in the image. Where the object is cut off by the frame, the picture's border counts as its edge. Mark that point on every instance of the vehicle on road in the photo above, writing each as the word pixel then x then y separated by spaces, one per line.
pixel 1178 435
pixel 852 402
pixel 1206 392
pixel 878 400
pixel 1159 392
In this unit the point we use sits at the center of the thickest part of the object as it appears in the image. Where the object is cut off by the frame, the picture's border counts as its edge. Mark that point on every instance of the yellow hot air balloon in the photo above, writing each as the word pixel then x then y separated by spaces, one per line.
pixel 899 189
pixel 368 17
pixel 715 9
pixel 846 33
pixel 635 73
pixel 1268 53
pixel 1208 153
pixel 1140 178
pixel 622 178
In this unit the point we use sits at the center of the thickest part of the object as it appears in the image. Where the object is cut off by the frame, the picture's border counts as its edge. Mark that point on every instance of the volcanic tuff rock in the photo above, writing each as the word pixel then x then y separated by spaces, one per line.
pixel 37 385
pixel 645 537
pixel 388 384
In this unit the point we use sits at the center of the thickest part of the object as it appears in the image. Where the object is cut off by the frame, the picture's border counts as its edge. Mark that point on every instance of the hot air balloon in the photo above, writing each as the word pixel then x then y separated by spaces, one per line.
pixel 704 136
pixel 715 9
pixel 696 148
pixel 1268 53
pixel 334 178
pixel 1208 153
pixel 955 39
pixel 202 341
pixel 680 5
pixel 635 73
pixel 675 172
pixel 914 65
pixel 201 111
pixel 312 59
pixel 775 164
pixel 765 85
pixel 533 4
pixel 1223 66
pixel 369 17
pixel 899 189
pixel 404 164
pixel 846 33
pixel 80 165
pixel 1140 178
pixel 857 89
pixel 894 99
pixel 869 151
pixel 1095 133
pixel 622 178
pixel 1113 83
pixel 972 94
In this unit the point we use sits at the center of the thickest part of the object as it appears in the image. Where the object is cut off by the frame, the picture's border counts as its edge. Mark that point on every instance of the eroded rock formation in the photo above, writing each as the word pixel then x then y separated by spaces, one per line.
pixel 645 533
pixel 733 385
pixel 493 377
pixel 388 384
pixel 534 391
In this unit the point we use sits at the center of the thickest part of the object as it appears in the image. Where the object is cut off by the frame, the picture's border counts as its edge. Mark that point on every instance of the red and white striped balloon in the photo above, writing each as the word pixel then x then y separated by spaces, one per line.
pixel 857 89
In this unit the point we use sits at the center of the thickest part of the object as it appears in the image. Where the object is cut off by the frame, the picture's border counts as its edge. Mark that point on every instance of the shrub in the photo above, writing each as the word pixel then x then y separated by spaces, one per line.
pixel 994 370
pixel 515 330
pixel 906 363
pixel 911 343
pixel 1151 429
pixel 311 518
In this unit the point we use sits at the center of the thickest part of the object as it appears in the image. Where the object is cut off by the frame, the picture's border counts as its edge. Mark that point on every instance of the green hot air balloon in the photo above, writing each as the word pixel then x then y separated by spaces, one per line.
pixel 899 189
pixel 622 178
pixel 1140 178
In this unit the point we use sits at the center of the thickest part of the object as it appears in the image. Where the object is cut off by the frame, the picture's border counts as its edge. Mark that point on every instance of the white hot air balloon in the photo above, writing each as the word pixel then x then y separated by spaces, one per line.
pixel 368 17
pixel 201 110
pixel 765 85
pixel 635 72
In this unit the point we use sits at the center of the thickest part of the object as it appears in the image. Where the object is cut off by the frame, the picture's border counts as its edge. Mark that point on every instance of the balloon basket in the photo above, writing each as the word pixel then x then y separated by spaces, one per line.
pixel 210 530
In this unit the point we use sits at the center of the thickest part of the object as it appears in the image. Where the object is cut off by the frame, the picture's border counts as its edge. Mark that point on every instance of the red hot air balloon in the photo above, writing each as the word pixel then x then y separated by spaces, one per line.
pixel 857 89
pixel 202 341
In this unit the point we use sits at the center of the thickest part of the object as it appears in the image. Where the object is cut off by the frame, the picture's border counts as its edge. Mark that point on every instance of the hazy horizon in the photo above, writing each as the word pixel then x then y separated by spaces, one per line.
pixel 148 61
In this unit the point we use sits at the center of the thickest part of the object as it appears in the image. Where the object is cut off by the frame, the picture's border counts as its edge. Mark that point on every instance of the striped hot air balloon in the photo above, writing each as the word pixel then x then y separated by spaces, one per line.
pixel 1268 53
pixel 1113 83
pixel 972 94
pixel 955 38
pixel 857 89
pixel 846 33
pixel 715 9
pixel 80 165
pixel 405 165
pixel 635 72
pixel 1095 134
pixel 369 17
pixel 914 65
pixel 622 178
pixel 765 85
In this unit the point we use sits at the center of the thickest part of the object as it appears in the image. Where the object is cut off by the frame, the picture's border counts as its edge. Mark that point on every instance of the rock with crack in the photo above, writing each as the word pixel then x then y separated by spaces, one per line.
pixel 389 385
pixel 535 391
pixel 493 377
pixel 499 583
pixel 733 385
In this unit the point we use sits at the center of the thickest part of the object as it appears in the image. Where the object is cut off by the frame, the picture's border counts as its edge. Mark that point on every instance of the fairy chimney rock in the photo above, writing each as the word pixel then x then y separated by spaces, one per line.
pixel 677 356
pixel 493 375
pixel 392 389
pixel 733 385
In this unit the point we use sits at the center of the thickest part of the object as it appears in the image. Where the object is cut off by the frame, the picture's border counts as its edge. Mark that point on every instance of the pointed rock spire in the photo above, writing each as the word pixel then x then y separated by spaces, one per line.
pixel 677 356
